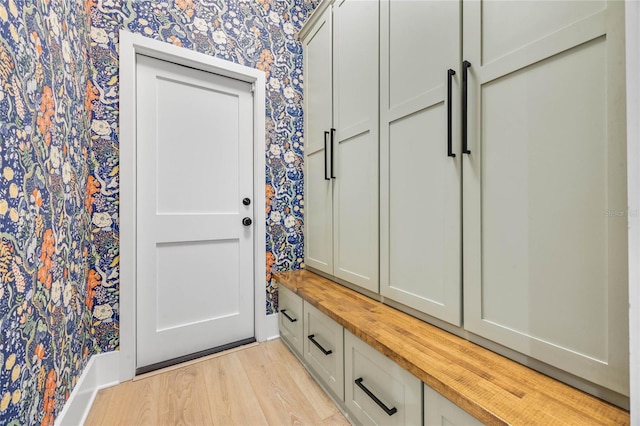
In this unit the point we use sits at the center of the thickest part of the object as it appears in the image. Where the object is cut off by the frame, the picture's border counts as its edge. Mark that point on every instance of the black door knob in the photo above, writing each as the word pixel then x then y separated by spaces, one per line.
pixel 246 201
pixel 246 221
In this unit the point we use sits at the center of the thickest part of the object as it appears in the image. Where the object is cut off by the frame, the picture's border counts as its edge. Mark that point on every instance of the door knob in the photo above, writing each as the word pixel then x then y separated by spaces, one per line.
pixel 246 201
pixel 246 221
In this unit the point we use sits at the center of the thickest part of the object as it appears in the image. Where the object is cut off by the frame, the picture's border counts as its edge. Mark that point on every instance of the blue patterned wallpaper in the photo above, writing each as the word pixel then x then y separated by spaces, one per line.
pixel 256 33
pixel 59 249
pixel 45 315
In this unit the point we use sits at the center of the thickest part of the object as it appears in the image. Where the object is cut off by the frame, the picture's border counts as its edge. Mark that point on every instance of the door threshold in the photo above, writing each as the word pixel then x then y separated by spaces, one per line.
pixel 182 361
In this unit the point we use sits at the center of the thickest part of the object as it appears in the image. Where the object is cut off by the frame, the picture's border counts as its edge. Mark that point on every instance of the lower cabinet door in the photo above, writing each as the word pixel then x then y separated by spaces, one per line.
pixel 324 349
pixel 290 319
pixel 439 411
pixel 377 390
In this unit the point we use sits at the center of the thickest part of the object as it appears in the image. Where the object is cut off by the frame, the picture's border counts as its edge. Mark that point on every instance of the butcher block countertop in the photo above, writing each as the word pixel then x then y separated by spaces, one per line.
pixel 492 388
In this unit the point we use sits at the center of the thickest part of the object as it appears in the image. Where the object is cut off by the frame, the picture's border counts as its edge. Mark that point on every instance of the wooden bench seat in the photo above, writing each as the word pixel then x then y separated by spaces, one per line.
pixel 489 386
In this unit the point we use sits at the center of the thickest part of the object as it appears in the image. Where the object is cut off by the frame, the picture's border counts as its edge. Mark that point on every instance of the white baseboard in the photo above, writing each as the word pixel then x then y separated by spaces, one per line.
pixel 101 372
pixel 271 327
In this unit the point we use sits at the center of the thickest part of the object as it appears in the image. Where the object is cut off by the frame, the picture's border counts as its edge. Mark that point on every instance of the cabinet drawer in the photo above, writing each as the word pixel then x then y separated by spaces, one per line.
pixel 438 410
pixel 369 375
pixel 324 349
pixel 290 319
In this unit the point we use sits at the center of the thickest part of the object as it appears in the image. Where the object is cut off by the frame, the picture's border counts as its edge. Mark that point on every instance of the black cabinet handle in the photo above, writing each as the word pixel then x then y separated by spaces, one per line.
pixel 325 156
pixel 465 67
pixel 324 351
pixel 284 312
pixel 333 132
pixel 389 411
pixel 450 74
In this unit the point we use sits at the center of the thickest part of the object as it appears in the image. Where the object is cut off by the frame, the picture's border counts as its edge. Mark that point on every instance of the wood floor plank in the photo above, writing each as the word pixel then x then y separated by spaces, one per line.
pixel 263 384
pixel 127 404
pixel 231 396
pixel 282 401
pixel 319 400
pixel 183 397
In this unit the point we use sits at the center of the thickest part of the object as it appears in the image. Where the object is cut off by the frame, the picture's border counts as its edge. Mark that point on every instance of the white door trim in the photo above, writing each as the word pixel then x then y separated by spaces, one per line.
pixel 130 45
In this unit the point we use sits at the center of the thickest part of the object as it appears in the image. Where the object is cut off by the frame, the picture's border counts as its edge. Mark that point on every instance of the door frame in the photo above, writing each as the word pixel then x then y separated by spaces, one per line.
pixel 131 45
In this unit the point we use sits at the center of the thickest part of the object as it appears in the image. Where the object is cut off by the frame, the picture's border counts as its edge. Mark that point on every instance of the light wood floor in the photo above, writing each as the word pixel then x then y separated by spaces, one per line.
pixel 257 385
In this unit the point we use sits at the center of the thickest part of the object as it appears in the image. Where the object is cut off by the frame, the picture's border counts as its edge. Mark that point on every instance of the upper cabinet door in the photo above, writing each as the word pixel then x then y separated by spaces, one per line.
pixel 355 142
pixel 545 229
pixel 419 156
pixel 318 194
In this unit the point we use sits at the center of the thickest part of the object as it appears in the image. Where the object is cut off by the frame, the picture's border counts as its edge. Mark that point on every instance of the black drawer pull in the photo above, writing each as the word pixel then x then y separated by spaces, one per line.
pixel 324 351
pixel 389 411
pixel 284 312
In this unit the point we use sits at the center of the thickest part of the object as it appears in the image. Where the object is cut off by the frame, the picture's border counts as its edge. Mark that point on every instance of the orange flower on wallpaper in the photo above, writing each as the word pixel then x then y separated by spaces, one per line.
pixel 39 351
pixel 88 6
pixel 91 95
pixel 93 186
pixel 46 110
pixel 175 40
pixel 49 399
pixel 93 281
pixel 48 248
pixel 266 4
pixel 264 61
pixel 35 38
pixel 37 197
pixel 269 192
pixel 186 6
pixel 270 261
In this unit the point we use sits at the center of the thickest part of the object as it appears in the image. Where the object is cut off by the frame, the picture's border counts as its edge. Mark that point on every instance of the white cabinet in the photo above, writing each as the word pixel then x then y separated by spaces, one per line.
pixel 324 349
pixel 420 158
pixel 516 176
pixel 290 319
pixel 439 411
pixel 341 142
pixel 545 264
pixel 377 390
pixel 318 194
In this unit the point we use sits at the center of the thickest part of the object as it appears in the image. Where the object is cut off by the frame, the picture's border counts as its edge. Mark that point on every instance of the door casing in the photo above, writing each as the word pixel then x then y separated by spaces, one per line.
pixel 131 45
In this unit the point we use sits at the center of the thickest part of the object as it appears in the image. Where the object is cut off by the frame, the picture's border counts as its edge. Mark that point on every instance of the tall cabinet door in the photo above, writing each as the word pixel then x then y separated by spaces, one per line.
pixel 355 103
pixel 545 230
pixel 318 213
pixel 419 172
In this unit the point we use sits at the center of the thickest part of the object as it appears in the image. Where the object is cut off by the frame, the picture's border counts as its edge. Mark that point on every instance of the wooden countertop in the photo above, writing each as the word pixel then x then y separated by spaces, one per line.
pixel 489 386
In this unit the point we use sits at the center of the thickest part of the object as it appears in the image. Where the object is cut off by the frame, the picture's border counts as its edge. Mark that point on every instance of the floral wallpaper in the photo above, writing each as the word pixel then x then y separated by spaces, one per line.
pixel 45 234
pixel 256 33
pixel 59 248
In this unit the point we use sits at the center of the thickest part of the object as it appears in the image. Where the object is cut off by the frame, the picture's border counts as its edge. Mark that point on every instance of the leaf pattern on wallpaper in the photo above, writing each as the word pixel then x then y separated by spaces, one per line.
pixel 59 168
pixel 255 33
pixel 45 338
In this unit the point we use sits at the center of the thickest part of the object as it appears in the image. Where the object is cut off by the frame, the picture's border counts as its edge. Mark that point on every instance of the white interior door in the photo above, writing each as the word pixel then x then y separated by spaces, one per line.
pixel 194 168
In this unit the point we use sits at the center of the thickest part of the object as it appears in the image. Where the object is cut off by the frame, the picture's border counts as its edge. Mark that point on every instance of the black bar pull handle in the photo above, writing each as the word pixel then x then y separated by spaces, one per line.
pixel 390 411
pixel 325 156
pixel 333 133
pixel 450 74
pixel 284 312
pixel 465 67
pixel 318 345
